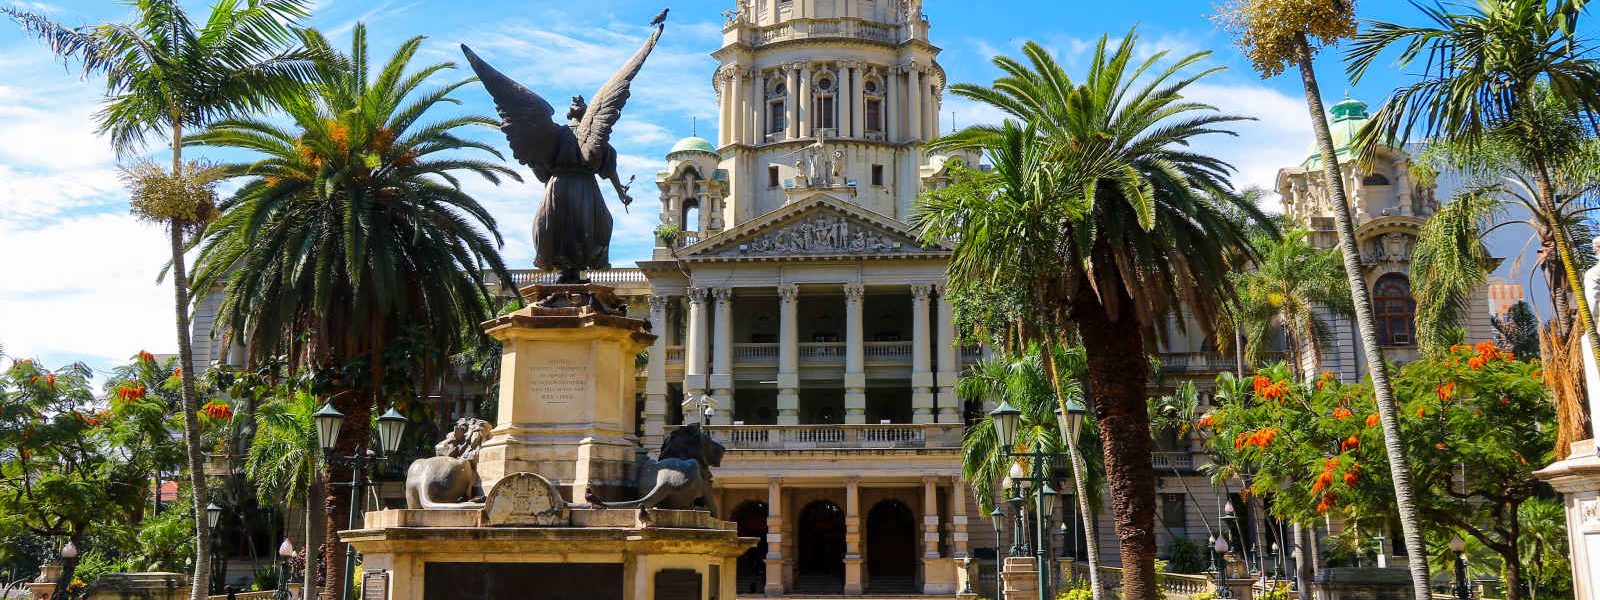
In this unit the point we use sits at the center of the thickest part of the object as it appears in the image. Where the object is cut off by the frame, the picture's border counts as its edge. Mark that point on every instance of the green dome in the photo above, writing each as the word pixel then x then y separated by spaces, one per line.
pixel 693 144
pixel 1349 116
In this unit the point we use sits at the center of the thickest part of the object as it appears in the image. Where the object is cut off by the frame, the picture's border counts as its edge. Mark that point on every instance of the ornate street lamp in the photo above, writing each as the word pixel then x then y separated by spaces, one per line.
pixel 214 516
pixel 1220 566
pixel 391 427
pixel 1462 589
pixel 1005 418
pixel 995 517
pixel 285 572
pixel 1071 422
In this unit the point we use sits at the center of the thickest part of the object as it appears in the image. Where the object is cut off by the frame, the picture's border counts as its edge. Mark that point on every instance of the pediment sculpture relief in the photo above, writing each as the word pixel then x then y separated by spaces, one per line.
pixel 827 234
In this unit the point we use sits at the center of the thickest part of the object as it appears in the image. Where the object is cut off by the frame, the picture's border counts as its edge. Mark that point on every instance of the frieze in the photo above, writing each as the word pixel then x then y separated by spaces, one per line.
pixel 825 234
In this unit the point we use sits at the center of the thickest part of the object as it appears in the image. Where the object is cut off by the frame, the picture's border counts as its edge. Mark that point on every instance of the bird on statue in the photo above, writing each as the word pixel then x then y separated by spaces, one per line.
pixel 661 18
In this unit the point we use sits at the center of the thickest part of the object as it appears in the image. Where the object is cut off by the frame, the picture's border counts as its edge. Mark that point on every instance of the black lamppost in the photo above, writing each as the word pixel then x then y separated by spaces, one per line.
pixel 1462 589
pixel 285 572
pixel 390 427
pixel 1219 565
pixel 214 516
pixel 1006 418
pixel 996 517
pixel 68 556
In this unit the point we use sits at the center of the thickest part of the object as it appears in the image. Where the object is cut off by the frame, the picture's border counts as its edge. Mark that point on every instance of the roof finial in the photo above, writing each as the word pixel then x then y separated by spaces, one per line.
pixel 694 126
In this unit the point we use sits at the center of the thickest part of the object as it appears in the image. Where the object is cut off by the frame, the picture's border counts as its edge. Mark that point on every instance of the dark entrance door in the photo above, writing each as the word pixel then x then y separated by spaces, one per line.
pixel 820 564
pixel 522 581
pixel 751 518
pixel 891 548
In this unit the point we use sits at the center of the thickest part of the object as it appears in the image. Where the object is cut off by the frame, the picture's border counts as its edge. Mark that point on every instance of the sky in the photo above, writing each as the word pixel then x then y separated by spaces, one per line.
pixel 78 274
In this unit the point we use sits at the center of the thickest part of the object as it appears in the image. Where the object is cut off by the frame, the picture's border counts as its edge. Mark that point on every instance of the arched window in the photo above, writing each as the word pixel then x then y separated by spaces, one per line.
pixel 1375 179
pixel 777 119
pixel 1395 310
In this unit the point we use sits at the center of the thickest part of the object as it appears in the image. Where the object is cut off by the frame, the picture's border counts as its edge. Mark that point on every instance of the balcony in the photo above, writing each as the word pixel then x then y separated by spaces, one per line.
pixel 810 29
pixel 838 437
pixel 823 353
pixel 1206 362
pixel 1167 461
pixel 622 277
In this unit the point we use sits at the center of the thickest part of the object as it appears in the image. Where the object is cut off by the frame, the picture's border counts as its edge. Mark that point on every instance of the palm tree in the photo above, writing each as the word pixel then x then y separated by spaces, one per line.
pixel 1291 285
pixel 1483 81
pixel 1022 381
pixel 285 463
pixel 1277 34
pixel 351 231
pixel 165 73
pixel 1099 209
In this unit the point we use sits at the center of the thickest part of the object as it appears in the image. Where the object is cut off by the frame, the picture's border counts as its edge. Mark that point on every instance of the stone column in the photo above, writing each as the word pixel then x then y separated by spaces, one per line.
pixel 855 373
pixel 788 354
pixel 858 101
pixel 806 101
pixel 852 536
pixel 891 109
pixel 1578 480
pixel 948 357
pixel 722 355
pixel 774 556
pixel 655 387
pixel 921 347
pixel 930 517
pixel 791 103
pixel 935 110
pixel 958 518
pixel 696 352
pixel 736 126
pixel 724 106
pixel 914 105
pixel 845 99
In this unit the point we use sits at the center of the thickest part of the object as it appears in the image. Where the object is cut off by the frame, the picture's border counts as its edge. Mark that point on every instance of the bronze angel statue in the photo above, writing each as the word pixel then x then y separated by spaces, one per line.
pixel 572 230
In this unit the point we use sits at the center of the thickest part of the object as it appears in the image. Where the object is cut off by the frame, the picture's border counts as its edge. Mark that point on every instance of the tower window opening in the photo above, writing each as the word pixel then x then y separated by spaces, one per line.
pixel 1395 310
pixel 874 114
pixel 825 111
pixel 1375 179
pixel 772 176
pixel 877 174
pixel 777 121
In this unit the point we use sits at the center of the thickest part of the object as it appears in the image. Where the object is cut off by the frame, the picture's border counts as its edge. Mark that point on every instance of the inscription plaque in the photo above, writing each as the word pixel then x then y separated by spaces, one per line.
pixel 375 585
pixel 562 380
pixel 522 581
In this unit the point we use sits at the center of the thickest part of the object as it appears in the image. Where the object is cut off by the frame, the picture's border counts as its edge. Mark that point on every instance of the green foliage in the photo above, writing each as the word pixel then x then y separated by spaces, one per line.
pixel 1317 448
pixel 1186 556
pixel 667 235
pixel 1080 590
pixel 1287 285
pixel 1518 329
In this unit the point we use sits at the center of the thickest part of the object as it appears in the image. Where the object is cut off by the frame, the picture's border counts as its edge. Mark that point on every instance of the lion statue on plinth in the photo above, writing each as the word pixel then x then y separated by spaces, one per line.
pixel 449 479
pixel 680 476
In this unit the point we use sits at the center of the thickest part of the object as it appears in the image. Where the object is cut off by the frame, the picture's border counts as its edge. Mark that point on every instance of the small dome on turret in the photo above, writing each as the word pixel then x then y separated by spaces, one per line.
pixel 1349 116
pixel 692 144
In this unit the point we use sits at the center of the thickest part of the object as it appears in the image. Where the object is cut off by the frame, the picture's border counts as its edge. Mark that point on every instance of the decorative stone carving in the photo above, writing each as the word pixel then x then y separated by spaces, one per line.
pixel 921 291
pixel 697 295
pixel 723 295
pixel 853 292
pixel 789 293
pixel 525 499
pixel 450 479
pixel 658 302
pixel 1392 247
pixel 824 234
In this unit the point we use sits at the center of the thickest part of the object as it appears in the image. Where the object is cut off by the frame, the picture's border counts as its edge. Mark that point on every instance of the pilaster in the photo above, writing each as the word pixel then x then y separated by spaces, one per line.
pixel 855 376
pixel 774 557
pixel 948 359
pixel 930 516
pixel 722 357
pixel 958 518
pixel 807 119
pixel 914 104
pixel 921 346
pixel 852 536
pixel 696 353
pixel 655 387
pixel 791 103
pixel 891 109
pixel 858 101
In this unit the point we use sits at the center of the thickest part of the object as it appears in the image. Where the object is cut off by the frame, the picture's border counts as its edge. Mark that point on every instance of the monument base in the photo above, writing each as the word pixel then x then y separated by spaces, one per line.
pixel 1020 578
pixel 602 554
pixel 1362 583
pixel 1578 480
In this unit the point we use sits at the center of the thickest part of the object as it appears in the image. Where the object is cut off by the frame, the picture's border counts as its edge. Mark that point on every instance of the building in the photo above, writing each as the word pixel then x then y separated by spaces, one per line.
pixel 1503 295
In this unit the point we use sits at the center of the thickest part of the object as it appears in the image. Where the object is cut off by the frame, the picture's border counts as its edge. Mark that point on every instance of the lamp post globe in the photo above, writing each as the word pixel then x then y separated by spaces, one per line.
pixel 1221 545
pixel 329 421
pixel 1005 418
pixel 213 515
pixel 1071 421
pixel 1020 476
pixel 69 551
pixel 391 426
pixel 1047 502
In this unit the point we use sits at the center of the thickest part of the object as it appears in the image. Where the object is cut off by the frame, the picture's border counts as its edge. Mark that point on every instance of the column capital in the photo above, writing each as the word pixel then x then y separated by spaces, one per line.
pixel 722 294
pixel 658 302
pixel 921 291
pixel 852 480
pixel 789 292
pixel 940 288
pixel 697 295
pixel 854 291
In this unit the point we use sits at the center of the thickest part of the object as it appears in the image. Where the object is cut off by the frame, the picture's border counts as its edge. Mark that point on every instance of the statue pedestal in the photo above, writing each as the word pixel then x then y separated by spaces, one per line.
pixel 567 384
pixel 1578 480
pixel 1020 578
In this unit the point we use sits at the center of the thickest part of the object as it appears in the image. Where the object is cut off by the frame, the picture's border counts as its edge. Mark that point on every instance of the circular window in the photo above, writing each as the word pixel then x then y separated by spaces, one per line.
pixel 780 89
pixel 825 84
pixel 872 87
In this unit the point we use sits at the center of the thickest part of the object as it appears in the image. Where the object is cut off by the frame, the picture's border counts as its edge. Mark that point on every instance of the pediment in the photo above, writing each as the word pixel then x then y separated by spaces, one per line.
pixel 816 227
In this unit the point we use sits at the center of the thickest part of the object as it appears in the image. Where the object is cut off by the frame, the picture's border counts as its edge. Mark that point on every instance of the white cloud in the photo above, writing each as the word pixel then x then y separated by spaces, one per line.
pixel 1278 137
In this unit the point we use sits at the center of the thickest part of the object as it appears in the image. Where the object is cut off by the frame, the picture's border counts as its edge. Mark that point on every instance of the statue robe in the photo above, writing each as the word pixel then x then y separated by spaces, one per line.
pixel 572 230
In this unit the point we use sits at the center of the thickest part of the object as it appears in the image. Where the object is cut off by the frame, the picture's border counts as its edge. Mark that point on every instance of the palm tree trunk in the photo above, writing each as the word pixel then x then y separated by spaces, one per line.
pixel 1117 372
pixel 1091 545
pixel 191 396
pixel 1569 263
pixel 315 524
pixel 1383 392
pixel 1305 539
pixel 1555 279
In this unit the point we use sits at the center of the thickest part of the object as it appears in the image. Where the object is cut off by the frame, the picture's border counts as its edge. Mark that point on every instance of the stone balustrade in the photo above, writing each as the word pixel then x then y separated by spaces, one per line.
pixel 829 437
pixel 1173 585
pixel 803 29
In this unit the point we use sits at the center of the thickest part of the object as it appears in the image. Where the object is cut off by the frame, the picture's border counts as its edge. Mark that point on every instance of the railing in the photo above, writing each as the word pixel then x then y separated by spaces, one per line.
pixel 1177 584
pixel 522 277
pixel 675 354
pixel 971 354
pixel 888 350
pixel 826 437
pixel 1182 461
pixel 1208 362
pixel 758 353
pixel 822 351
pixel 825 28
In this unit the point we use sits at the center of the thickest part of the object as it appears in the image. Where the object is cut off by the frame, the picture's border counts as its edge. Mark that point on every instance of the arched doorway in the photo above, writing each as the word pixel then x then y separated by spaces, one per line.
pixel 751 518
pixel 892 548
pixel 819 568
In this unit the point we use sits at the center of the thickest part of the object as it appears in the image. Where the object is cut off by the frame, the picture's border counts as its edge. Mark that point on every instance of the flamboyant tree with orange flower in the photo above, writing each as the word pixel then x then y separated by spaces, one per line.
pixel 1317 448
pixel 74 466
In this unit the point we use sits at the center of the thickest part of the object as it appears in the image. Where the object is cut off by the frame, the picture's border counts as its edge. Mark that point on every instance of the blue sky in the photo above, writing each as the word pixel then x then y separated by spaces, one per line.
pixel 80 273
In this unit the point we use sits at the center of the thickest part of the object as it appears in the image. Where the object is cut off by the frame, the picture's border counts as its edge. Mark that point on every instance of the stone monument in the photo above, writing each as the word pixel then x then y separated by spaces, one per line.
pixel 1578 477
pixel 556 502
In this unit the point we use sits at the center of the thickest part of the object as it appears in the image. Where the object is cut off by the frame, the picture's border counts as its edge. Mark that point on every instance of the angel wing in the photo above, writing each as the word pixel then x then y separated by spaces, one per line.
pixel 525 117
pixel 605 107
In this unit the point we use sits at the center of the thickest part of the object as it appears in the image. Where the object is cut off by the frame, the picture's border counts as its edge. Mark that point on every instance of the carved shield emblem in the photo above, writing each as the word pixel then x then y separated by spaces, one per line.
pixel 525 499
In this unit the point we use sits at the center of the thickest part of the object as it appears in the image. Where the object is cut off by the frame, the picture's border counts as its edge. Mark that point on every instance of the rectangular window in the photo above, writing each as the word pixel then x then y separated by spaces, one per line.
pixel 772 176
pixel 875 116
pixel 877 174
pixel 776 119
pixel 825 112
pixel 1172 512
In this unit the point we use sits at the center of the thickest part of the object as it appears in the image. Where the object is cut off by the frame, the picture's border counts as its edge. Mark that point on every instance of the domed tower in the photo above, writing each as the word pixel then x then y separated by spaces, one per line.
pixel 693 193
pixel 826 96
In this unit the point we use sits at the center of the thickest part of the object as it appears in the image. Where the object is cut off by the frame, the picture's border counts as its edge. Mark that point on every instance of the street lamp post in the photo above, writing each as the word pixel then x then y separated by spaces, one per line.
pixel 390 427
pixel 995 518
pixel 1006 418
pixel 68 555
pixel 1462 589
pixel 1219 565
pixel 214 516
pixel 285 572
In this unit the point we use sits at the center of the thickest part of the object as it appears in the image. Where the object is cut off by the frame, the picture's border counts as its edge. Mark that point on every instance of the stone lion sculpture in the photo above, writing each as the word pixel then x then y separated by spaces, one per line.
pixel 450 478
pixel 680 476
